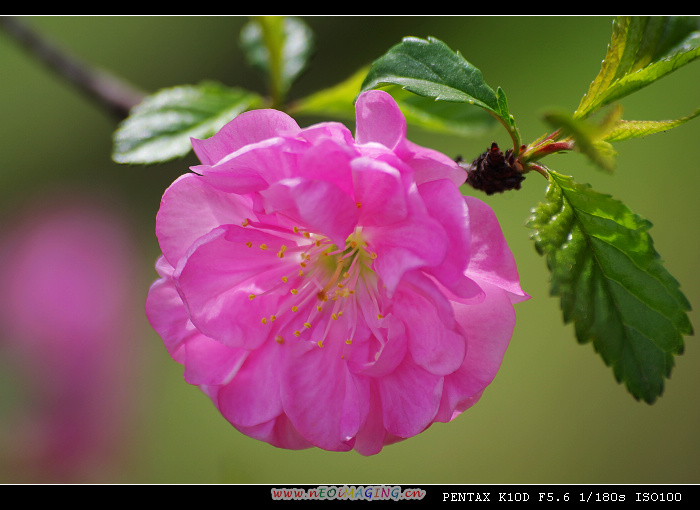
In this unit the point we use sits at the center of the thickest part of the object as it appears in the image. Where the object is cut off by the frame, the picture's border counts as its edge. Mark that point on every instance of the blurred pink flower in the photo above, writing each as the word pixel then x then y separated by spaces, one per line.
pixel 66 274
pixel 329 291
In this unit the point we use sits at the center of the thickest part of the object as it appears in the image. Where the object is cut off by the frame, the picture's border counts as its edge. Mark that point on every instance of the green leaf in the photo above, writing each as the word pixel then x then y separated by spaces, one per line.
pixel 627 129
pixel 424 113
pixel 159 128
pixel 336 101
pixel 642 50
pixel 279 47
pixel 441 116
pixel 431 69
pixel 612 284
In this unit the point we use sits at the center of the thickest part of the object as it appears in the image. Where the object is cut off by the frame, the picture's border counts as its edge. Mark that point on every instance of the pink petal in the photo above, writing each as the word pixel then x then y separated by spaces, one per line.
pixel 410 399
pixel 335 131
pixel 391 350
pixel 396 247
pixel 371 437
pixel 279 432
pixel 252 397
pixel 430 165
pixel 247 128
pixel 254 167
pixel 210 362
pixel 434 341
pixel 490 259
pixel 379 120
pixel 319 206
pixel 446 204
pixel 167 314
pixel 329 161
pixel 191 208
pixel 218 277
pixel 326 403
pixel 488 327
pixel 379 192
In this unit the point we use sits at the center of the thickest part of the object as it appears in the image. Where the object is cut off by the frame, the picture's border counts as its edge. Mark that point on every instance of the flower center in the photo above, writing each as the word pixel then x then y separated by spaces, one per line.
pixel 321 282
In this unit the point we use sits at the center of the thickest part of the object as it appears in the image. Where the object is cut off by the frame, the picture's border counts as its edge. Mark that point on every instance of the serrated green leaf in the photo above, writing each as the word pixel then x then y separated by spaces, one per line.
pixel 424 113
pixel 642 50
pixel 429 68
pixel 627 129
pixel 441 116
pixel 612 284
pixel 279 47
pixel 159 128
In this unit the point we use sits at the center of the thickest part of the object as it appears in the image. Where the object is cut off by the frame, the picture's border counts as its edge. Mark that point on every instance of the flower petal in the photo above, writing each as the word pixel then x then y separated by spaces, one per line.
pixel 434 341
pixel 219 276
pixel 279 432
pixel 191 208
pixel 488 327
pixel 446 204
pixel 415 242
pixel 410 398
pixel 245 129
pixel 490 258
pixel 167 314
pixel 252 397
pixel 379 192
pixel 430 165
pixel 326 403
pixel 379 119
pixel 254 167
pixel 318 206
pixel 210 362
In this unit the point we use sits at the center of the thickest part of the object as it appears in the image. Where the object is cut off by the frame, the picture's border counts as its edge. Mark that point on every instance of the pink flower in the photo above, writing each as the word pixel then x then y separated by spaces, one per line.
pixel 66 274
pixel 329 291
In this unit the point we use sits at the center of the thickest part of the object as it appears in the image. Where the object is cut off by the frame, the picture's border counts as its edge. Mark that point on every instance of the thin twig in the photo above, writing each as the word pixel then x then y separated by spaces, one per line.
pixel 111 93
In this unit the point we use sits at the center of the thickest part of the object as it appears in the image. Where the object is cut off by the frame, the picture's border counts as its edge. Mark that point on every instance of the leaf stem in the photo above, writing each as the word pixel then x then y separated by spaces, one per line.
pixel 272 30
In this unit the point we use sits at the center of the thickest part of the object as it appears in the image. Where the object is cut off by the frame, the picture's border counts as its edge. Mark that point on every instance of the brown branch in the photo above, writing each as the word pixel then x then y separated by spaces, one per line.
pixel 111 93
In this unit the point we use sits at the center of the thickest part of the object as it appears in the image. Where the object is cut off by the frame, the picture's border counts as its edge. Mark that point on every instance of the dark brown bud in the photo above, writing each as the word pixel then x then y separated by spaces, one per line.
pixel 495 172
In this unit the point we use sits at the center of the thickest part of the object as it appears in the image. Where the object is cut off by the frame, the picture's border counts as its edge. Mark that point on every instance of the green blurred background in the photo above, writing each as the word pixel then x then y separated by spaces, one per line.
pixel 554 414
